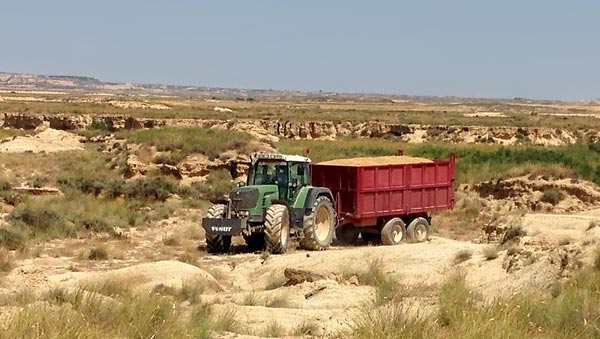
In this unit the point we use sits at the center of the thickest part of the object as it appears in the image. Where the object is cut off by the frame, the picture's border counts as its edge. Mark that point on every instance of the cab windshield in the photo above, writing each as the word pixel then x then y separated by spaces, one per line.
pixel 269 172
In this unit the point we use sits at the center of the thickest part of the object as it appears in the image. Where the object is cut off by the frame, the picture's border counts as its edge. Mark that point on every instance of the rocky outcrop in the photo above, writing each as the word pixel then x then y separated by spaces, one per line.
pixel 272 130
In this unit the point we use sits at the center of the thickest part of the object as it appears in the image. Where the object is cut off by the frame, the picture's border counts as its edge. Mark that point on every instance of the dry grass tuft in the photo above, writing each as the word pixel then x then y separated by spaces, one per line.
pixel 462 256
pixel 491 252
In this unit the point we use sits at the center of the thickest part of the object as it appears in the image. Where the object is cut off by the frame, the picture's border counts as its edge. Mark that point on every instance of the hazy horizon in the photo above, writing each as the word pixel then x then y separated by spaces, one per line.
pixel 537 49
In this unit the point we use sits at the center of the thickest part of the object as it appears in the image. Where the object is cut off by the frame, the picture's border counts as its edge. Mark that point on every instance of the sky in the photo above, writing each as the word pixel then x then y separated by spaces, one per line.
pixel 495 49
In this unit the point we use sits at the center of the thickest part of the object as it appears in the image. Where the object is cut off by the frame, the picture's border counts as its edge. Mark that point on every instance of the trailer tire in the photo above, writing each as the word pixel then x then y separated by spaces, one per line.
pixel 277 229
pixel 346 234
pixel 418 230
pixel 217 243
pixel 393 232
pixel 319 225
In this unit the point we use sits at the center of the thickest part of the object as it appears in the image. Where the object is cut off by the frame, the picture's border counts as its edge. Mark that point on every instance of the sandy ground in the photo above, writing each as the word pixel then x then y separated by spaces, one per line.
pixel 230 279
pixel 48 141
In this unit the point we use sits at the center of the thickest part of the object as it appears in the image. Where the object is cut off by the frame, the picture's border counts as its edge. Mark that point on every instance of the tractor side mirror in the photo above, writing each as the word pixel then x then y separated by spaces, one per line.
pixel 233 170
pixel 300 171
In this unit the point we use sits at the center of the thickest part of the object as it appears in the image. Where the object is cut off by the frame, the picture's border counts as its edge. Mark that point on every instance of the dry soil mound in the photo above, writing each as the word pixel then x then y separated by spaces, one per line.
pixel 370 161
pixel 48 141
pixel 168 273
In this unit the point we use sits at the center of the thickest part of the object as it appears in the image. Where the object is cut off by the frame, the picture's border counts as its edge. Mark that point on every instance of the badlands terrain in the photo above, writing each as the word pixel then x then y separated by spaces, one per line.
pixel 102 195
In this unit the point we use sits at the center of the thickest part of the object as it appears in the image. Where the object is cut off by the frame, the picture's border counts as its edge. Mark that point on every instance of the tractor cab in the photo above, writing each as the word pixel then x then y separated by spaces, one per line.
pixel 288 172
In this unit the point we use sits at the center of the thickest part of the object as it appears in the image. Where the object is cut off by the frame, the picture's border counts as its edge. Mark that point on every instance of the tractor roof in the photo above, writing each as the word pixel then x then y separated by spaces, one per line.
pixel 277 156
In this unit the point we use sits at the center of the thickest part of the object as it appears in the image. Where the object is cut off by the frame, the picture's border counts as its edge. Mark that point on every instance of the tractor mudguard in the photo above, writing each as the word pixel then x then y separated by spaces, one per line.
pixel 314 193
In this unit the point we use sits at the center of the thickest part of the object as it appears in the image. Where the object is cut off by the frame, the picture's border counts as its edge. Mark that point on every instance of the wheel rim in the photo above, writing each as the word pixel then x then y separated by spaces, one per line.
pixel 322 223
pixel 285 229
pixel 421 232
pixel 397 233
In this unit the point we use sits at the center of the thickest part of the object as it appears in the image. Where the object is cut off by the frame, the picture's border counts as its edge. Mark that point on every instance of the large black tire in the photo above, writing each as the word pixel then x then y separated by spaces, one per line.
pixel 418 230
pixel 217 243
pixel 346 234
pixel 277 229
pixel 319 226
pixel 255 241
pixel 393 232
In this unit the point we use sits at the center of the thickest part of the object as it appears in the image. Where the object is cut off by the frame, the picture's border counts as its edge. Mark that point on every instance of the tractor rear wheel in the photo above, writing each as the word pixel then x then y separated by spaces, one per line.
pixel 217 243
pixel 418 230
pixel 346 234
pixel 277 229
pixel 393 232
pixel 319 226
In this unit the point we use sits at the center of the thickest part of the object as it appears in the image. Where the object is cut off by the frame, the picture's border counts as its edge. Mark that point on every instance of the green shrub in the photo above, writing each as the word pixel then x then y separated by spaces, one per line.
pixel 98 125
pixel 5 185
pixel 154 188
pixel 95 224
pixel 12 238
pixel 38 218
pixel 183 141
pixel 113 188
pixel 552 196
pixel 217 186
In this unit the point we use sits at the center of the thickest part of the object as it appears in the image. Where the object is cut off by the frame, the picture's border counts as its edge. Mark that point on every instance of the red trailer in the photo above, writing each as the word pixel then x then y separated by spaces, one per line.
pixel 387 200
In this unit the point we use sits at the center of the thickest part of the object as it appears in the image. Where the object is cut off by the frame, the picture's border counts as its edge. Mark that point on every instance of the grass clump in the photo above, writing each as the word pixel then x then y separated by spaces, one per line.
pixel 307 328
pixel 512 235
pixel 98 253
pixel 462 256
pixel 491 252
pixel 597 259
pixel 171 240
pixel 552 196
pixel 387 288
pixel 6 260
pixel 12 238
pixel 390 322
pixel 273 330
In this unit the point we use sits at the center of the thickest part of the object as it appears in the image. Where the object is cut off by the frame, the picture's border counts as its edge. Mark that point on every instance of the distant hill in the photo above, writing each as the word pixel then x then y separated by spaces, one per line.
pixel 19 81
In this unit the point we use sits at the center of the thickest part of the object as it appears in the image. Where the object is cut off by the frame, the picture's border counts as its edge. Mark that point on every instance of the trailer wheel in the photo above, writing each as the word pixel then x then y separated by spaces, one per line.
pixel 277 229
pixel 319 226
pixel 418 230
pixel 217 243
pixel 346 234
pixel 393 232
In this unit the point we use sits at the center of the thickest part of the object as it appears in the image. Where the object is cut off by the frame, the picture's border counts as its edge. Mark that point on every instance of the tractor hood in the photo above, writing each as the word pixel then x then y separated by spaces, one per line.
pixel 252 198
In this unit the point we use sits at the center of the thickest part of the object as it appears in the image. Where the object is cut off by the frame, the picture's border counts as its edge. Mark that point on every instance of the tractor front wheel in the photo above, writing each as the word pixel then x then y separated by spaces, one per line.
pixel 217 243
pixel 277 229
pixel 319 226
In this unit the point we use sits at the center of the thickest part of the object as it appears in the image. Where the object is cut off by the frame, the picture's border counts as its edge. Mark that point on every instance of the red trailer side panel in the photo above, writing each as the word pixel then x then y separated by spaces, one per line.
pixel 365 193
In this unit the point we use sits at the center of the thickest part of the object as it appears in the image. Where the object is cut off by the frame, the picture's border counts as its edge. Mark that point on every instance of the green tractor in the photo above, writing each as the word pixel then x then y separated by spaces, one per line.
pixel 276 203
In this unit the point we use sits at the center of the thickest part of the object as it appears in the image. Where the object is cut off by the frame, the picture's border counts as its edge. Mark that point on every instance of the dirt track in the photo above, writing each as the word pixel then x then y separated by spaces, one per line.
pixel 234 279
